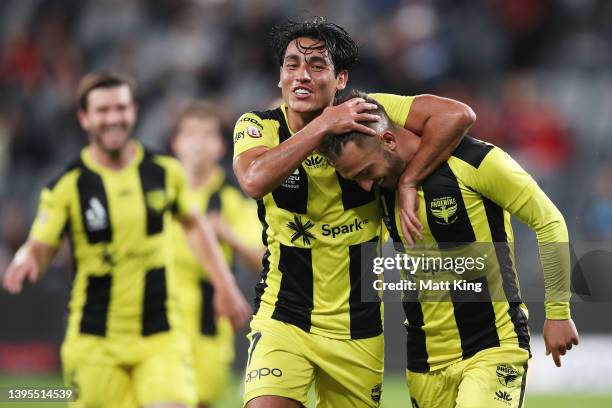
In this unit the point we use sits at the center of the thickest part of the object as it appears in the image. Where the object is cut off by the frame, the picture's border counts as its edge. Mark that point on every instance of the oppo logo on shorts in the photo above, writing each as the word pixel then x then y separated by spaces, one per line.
pixel 259 373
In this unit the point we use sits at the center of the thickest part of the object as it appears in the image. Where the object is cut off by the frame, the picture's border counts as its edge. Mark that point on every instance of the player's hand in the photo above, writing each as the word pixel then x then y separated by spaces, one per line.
pixel 408 210
pixel 559 337
pixel 347 116
pixel 230 303
pixel 22 267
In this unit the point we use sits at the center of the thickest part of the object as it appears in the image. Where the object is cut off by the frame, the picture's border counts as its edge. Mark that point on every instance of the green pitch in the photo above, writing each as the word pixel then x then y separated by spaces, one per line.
pixel 394 395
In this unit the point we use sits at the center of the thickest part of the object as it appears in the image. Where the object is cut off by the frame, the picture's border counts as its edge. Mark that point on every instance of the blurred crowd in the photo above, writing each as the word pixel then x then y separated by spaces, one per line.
pixel 535 71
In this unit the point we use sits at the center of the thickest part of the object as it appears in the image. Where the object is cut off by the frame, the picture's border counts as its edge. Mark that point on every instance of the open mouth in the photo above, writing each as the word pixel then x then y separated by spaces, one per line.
pixel 115 129
pixel 302 92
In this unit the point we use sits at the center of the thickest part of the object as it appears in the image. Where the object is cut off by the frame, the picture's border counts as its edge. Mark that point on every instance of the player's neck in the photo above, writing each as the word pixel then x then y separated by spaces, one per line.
pixel 114 162
pixel 198 175
pixel 407 144
pixel 297 120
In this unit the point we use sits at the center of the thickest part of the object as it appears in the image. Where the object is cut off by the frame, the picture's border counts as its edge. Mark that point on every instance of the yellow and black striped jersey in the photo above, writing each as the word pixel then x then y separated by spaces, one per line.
pixel 465 206
pixel 118 226
pixel 314 224
pixel 192 281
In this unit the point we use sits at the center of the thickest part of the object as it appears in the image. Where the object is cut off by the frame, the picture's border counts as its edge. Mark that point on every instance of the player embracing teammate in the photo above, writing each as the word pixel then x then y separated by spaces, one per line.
pixel 310 324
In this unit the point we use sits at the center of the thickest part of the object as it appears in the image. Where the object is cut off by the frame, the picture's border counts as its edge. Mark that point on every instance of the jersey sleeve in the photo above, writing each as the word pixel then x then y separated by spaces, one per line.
pixel 52 215
pixel 396 106
pixel 502 180
pixel 251 131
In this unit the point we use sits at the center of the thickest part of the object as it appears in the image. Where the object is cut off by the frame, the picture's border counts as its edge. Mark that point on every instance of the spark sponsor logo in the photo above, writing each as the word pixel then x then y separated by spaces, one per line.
pixel 335 231
pixel 301 230
pixel 259 373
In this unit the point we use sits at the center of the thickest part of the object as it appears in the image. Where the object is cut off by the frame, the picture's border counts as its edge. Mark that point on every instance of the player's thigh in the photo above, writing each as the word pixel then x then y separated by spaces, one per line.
pixel 212 359
pixel 431 390
pixel 95 376
pixel 494 378
pixel 277 365
pixel 273 401
pixel 350 372
pixel 164 371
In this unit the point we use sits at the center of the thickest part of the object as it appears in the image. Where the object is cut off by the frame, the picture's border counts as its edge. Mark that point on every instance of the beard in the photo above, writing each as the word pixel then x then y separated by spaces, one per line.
pixel 395 166
pixel 113 152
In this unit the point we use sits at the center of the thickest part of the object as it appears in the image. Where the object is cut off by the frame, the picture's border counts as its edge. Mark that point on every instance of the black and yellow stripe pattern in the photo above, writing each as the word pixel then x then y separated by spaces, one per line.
pixel 216 194
pixel 116 222
pixel 479 187
pixel 313 226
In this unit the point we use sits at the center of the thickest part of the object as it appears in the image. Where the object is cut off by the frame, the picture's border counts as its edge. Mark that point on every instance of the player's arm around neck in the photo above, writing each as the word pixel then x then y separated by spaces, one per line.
pixel 441 123
pixel 29 261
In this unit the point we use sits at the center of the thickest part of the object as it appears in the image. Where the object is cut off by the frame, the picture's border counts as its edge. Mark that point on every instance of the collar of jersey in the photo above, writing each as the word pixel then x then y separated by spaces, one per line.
pixel 98 168
pixel 284 110
pixel 213 183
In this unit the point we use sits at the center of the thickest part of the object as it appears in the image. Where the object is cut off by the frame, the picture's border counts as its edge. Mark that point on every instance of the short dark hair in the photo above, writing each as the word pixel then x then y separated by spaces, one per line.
pixel 95 80
pixel 332 146
pixel 341 47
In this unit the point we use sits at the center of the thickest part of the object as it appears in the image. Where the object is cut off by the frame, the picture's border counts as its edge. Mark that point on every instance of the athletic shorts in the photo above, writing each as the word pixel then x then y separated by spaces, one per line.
pixel 492 378
pixel 212 359
pixel 129 372
pixel 284 360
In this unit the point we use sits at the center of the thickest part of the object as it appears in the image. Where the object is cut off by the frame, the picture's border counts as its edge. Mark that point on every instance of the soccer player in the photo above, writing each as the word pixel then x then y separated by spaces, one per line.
pixel 466 350
pixel 198 143
pixel 123 346
pixel 310 324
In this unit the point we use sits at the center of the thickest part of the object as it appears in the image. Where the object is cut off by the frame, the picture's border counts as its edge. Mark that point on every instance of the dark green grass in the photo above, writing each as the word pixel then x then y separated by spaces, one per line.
pixel 394 395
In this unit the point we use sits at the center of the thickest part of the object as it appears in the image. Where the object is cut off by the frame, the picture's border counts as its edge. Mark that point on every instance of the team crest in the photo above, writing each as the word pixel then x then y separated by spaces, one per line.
pixel 156 200
pixel 253 131
pixel 444 209
pixel 506 374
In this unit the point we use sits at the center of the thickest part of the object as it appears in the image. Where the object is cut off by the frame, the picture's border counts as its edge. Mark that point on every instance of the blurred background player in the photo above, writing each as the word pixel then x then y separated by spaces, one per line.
pixel 466 349
pixel 123 346
pixel 198 143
